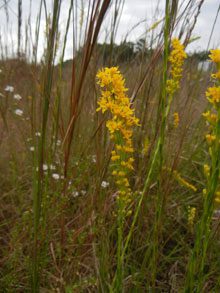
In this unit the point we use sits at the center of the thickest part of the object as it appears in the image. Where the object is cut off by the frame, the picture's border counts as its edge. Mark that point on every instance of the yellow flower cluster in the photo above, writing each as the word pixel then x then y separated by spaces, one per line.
pixel 176 119
pixel 213 93
pixel 191 216
pixel 210 117
pixel 206 170
pixel 217 195
pixel 180 179
pixel 213 96
pixel 183 181
pixel 120 125
pixel 176 59
pixel 215 55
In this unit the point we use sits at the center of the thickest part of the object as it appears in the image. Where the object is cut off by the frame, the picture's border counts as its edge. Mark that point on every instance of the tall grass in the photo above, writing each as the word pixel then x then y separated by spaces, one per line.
pixel 70 220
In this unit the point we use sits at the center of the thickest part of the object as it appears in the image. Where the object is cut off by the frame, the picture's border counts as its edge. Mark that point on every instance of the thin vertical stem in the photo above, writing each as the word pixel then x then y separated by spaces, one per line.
pixel 38 175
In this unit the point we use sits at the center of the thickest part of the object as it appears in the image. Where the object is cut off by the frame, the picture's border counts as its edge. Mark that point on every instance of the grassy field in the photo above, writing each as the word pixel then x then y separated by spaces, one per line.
pixel 109 166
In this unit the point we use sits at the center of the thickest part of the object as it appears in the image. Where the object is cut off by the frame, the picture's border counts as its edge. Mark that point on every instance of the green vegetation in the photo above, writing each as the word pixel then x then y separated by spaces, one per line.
pixel 110 160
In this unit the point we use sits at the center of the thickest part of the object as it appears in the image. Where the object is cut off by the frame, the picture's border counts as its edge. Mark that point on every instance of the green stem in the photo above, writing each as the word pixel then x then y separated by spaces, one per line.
pixel 165 107
pixel 38 175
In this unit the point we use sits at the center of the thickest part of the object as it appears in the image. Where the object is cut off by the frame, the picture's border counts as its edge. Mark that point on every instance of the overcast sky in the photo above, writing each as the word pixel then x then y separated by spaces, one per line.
pixel 134 11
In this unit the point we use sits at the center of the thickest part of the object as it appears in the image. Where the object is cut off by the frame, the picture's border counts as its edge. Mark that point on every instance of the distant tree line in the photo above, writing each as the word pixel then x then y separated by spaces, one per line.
pixel 128 51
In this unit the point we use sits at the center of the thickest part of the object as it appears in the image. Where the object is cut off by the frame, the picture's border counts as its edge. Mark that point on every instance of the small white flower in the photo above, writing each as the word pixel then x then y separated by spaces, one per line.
pixel 9 88
pixel 83 192
pixel 32 148
pixel 58 142
pixel 37 134
pixel 75 193
pixel 94 158
pixel 104 184
pixel 45 167
pixel 17 97
pixel 18 112
pixel 56 176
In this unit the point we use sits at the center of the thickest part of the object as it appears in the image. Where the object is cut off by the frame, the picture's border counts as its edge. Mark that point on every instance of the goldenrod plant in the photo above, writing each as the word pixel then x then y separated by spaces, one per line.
pixel 196 275
pixel 120 125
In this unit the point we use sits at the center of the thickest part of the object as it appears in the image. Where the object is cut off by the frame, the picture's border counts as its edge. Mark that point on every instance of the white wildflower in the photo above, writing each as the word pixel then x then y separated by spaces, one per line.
pixel 37 134
pixel 32 148
pixel 94 158
pixel 104 184
pixel 18 112
pixel 9 88
pixel 75 193
pixel 45 167
pixel 58 142
pixel 56 176
pixel 17 97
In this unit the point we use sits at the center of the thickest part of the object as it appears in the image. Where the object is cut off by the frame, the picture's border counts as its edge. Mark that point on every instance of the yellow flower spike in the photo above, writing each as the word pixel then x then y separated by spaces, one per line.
pixel 120 125
pixel 206 170
pixel 191 216
pixel 176 120
pixel 183 181
pixel 176 59
pixel 146 146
